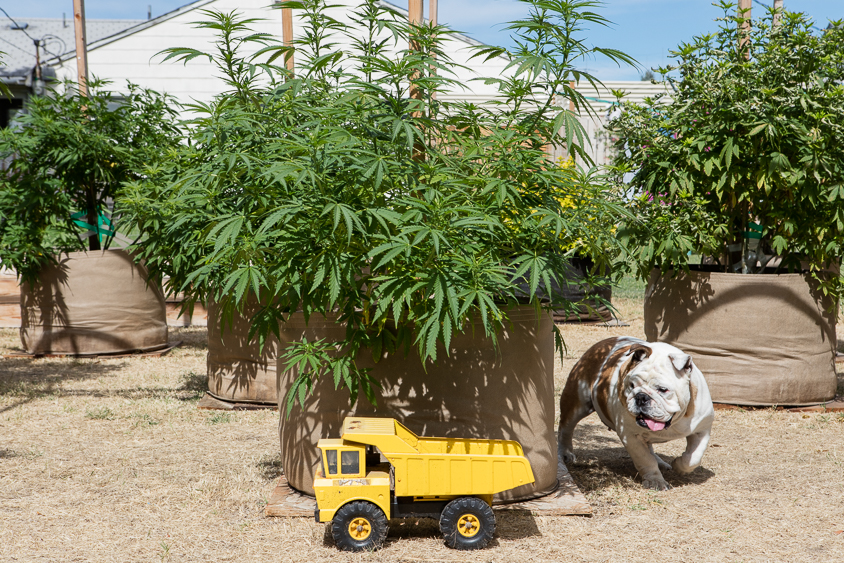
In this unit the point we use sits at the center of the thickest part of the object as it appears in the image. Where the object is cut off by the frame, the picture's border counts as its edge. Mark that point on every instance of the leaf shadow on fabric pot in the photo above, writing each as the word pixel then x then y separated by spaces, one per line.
pixel 475 392
pixel 93 303
pixel 764 339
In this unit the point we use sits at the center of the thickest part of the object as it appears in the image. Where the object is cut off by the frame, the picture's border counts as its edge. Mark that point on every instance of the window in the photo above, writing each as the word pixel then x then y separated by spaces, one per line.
pixel 331 462
pixel 350 462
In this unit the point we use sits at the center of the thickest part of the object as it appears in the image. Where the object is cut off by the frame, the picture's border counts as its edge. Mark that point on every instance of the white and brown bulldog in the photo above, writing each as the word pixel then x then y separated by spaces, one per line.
pixel 648 393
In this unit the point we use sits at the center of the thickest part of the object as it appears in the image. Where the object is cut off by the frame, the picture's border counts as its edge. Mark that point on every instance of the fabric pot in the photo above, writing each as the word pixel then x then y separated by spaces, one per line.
pixel 475 392
pixel 92 303
pixel 237 369
pixel 764 339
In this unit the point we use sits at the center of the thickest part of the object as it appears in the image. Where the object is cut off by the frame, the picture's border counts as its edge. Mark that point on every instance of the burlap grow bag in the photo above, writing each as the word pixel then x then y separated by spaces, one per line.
pixel 758 339
pixel 477 392
pixel 238 370
pixel 92 303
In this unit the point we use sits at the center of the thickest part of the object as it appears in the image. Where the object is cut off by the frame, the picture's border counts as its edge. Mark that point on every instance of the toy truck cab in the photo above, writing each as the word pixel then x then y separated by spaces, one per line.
pixel 379 470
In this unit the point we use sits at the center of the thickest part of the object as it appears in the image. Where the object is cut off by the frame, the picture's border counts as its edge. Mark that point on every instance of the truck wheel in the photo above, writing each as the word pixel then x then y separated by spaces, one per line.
pixel 359 526
pixel 467 523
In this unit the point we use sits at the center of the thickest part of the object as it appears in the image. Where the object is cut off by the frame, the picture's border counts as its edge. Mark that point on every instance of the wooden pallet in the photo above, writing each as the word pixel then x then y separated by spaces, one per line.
pixel 156 353
pixel 565 500
pixel 211 403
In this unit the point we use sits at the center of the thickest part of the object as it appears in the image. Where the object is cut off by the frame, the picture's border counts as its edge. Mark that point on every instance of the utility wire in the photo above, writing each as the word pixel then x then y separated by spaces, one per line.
pixel 17 25
pixel 38 42
pixel 17 47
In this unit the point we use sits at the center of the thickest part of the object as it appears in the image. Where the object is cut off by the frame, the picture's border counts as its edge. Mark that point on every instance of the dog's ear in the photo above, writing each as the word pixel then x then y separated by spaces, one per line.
pixel 682 363
pixel 640 352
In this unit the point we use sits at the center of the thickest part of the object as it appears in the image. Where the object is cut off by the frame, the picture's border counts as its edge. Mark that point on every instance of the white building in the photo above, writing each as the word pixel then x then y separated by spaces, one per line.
pixel 601 106
pixel 133 53
pixel 129 50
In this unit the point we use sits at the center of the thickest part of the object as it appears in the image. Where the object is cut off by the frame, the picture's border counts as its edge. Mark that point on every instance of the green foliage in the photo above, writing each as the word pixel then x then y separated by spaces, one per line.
pixel 751 135
pixel 66 158
pixel 355 188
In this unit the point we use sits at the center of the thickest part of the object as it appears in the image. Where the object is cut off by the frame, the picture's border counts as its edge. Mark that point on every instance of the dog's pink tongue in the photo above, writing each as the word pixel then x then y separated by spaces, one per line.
pixel 654 425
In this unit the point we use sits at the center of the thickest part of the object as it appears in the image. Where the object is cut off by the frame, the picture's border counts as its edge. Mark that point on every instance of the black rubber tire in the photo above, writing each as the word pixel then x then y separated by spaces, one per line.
pixel 343 519
pixel 471 508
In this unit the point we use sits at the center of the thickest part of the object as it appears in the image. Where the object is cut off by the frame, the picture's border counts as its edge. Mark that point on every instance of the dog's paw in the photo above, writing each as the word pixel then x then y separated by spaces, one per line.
pixel 680 466
pixel 655 482
pixel 567 457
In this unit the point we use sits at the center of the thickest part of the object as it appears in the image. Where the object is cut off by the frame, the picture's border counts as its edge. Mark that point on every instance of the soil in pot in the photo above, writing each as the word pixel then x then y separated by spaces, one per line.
pixel 759 339
pixel 475 392
pixel 97 302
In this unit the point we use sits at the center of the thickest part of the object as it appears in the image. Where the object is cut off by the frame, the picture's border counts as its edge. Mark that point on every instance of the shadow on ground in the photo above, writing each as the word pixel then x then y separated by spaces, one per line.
pixel 603 463
pixel 194 339
pixel 32 377
pixel 269 468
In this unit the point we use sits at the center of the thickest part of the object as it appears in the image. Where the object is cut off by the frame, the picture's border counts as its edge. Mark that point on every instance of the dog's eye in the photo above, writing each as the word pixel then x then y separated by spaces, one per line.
pixel 662 390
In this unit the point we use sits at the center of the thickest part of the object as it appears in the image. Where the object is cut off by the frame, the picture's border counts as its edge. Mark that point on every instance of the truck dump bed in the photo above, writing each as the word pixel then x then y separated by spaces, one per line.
pixel 426 467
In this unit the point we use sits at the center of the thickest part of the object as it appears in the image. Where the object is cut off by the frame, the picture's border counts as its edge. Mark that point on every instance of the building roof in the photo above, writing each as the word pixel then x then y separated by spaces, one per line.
pixel 93 42
pixel 58 35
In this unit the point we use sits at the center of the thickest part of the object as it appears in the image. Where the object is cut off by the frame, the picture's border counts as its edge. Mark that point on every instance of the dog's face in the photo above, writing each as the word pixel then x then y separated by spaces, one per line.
pixel 656 387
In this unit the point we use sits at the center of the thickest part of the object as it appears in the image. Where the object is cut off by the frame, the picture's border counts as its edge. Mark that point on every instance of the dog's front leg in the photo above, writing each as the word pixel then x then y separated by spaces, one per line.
pixel 646 464
pixel 696 445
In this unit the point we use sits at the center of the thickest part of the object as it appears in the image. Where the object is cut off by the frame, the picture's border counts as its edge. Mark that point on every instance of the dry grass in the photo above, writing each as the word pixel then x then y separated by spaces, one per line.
pixel 109 460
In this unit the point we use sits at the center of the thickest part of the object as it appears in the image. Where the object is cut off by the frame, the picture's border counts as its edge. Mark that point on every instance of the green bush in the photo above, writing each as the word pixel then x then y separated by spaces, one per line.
pixel 744 160
pixel 344 189
pixel 66 157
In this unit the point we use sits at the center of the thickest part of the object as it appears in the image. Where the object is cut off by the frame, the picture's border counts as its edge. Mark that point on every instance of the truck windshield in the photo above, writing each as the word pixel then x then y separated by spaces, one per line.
pixel 350 463
pixel 331 462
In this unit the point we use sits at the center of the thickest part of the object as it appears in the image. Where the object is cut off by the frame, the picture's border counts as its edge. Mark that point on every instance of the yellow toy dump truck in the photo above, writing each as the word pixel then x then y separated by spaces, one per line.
pixel 379 469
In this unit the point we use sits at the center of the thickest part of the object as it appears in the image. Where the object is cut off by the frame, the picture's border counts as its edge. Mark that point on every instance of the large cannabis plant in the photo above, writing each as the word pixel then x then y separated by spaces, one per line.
pixel 353 188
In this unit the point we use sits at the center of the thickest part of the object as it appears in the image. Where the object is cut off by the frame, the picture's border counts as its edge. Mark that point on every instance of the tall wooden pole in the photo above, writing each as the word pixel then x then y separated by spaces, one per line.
pixel 416 17
pixel 777 6
pixel 744 12
pixel 81 46
pixel 287 35
pixel 432 15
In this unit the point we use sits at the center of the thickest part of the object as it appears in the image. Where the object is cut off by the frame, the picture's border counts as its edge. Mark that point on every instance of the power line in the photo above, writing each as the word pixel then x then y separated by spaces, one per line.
pixel 18 26
pixel 17 47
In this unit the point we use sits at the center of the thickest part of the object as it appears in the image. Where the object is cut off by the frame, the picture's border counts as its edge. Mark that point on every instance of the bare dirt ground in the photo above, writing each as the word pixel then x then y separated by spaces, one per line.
pixel 109 460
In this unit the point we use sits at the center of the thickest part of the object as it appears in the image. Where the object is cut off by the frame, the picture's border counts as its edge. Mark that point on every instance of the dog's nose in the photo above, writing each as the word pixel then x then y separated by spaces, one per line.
pixel 642 399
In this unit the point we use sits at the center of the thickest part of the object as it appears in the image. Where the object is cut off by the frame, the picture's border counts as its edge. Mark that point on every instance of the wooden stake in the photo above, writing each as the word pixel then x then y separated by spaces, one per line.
pixel 777 6
pixel 287 34
pixel 744 12
pixel 416 17
pixel 432 15
pixel 81 46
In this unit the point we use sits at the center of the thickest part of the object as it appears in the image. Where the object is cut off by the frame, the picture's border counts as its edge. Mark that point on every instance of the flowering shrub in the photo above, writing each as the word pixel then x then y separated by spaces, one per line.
pixel 749 136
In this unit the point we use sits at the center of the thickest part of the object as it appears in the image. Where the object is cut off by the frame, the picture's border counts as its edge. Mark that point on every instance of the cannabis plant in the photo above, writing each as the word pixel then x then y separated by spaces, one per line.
pixel 65 158
pixel 352 187
pixel 744 160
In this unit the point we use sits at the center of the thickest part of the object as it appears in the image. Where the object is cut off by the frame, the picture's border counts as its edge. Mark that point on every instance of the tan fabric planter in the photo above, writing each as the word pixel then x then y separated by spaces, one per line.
pixel 92 303
pixel 237 370
pixel 476 392
pixel 758 339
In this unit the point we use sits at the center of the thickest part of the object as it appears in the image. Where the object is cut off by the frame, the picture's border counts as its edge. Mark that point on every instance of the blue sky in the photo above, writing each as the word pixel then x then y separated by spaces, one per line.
pixel 645 29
